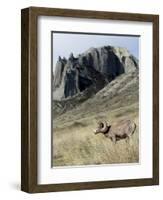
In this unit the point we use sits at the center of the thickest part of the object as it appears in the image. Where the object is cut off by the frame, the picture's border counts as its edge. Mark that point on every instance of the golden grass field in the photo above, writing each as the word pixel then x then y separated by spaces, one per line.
pixel 74 142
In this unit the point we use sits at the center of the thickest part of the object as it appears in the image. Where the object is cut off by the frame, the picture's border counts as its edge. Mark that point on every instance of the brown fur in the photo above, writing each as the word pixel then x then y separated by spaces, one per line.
pixel 122 130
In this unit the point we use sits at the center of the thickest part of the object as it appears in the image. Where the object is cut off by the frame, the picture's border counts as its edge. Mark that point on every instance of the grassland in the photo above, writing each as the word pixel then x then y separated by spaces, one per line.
pixel 74 142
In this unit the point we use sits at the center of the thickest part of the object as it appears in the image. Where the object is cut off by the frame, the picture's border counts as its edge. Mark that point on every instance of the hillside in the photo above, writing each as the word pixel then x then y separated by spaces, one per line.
pixel 119 94
pixel 74 140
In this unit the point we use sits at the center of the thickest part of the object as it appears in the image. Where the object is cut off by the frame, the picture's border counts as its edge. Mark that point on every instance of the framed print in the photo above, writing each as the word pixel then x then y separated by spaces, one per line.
pixel 90 99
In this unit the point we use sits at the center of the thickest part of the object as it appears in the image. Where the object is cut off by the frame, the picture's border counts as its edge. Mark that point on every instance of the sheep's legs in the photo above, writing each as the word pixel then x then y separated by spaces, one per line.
pixel 113 140
pixel 127 139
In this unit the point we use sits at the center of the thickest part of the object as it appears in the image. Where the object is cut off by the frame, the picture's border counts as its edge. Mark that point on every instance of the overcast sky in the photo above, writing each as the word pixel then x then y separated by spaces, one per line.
pixel 65 43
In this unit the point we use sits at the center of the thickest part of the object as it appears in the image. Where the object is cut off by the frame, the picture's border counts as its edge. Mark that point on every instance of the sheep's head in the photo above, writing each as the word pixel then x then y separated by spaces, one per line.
pixel 101 128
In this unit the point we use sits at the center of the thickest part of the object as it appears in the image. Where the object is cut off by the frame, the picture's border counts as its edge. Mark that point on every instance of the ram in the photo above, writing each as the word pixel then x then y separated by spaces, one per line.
pixel 122 130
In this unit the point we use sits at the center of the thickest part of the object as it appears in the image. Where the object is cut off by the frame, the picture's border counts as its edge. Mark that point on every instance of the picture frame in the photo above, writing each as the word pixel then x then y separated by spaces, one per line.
pixel 29 99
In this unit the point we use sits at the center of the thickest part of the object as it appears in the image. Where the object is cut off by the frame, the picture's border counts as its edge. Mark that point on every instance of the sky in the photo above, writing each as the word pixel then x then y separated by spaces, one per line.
pixel 65 43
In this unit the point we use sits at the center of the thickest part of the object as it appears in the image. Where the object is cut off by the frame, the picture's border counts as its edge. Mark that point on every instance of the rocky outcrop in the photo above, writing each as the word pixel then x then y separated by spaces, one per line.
pixel 92 69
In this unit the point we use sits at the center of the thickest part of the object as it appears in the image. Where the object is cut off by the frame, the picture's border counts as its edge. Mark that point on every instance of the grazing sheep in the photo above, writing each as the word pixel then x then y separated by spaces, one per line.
pixel 122 130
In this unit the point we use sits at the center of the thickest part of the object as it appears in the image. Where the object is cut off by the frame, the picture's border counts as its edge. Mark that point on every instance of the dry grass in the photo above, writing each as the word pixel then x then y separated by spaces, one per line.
pixel 76 144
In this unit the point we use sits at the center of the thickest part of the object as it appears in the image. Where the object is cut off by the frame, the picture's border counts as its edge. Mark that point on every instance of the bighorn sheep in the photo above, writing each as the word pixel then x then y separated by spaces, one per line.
pixel 122 130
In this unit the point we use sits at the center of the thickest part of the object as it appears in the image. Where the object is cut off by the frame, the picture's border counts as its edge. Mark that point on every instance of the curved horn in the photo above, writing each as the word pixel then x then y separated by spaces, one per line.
pixel 104 128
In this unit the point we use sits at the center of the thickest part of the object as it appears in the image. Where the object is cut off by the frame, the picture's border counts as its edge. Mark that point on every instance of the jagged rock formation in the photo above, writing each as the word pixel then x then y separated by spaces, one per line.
pixel 92 69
